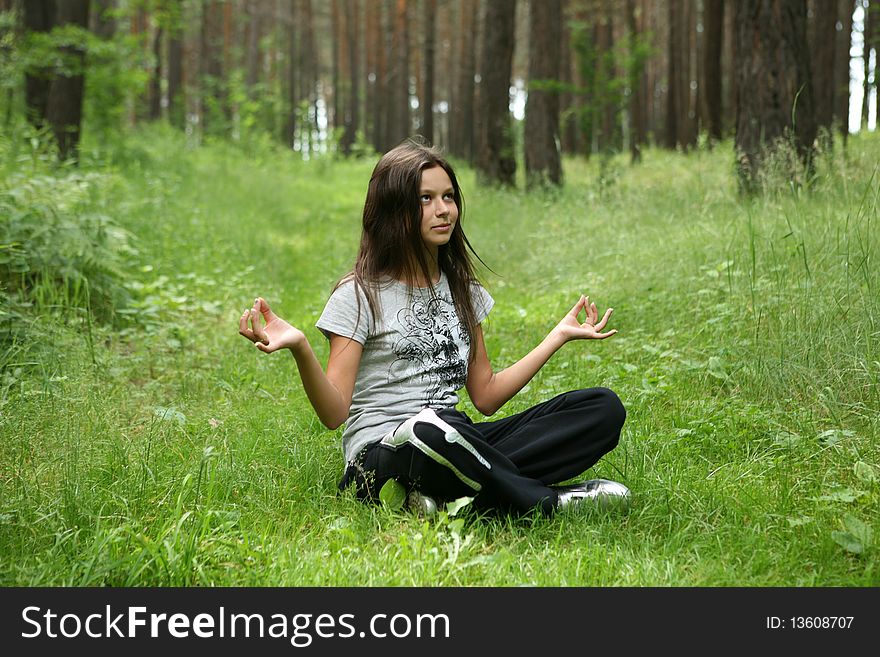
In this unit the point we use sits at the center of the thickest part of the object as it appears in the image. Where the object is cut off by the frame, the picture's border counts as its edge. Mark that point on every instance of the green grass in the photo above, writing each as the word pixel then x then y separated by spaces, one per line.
pixel 169 452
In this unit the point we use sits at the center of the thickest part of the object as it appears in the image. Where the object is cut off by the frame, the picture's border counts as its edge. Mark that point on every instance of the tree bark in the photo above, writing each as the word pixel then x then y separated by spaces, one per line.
pixel 211 62
pixel 138 28
pixel 461 129
pixel 400 125
pixel 822 34
pixel 335 45
pixel 713 22
pixel 843 44
pixel 445 66
pixel 292 78
pixel 606 98
pixel 542 157
pixel 155 90
pixel 568 120
pixel 227 35
pixel 39 16
pixel 428 79
pixel 584 73
pixel 654 68
pixel 496 162
pixel 64 106
pixel 692 56
pixel 686 121
pixel 308 78
pixel 636 73
pixel 176 99
pixel 868 40
pixel 673 76
pixel 352 117
pixel 252 45
pixel 777 111
pixel 377 72
pixel 729 69
pixel 101 19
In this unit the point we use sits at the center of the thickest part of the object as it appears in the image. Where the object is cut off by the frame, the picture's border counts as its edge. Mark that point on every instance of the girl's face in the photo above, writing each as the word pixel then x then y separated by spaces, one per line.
pixel 439 211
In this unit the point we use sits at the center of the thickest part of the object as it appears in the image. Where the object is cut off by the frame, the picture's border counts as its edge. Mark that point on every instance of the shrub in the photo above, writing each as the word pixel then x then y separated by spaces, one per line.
pixel 58 250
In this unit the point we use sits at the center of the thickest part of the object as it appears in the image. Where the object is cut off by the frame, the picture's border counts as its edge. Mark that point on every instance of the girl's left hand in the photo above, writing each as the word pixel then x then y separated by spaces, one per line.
pixel 571 328
pixel 276 334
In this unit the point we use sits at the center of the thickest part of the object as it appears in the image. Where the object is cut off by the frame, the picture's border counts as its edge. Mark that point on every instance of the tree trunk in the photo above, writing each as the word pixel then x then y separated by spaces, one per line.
pixel 568 122
pixel 101 19
pixel 228 64
pixel 155 90
pixel 400 126
pixel 308 76
pixel 687 134
pixel 461 129
pixel 777 112
pixel 39 16
pixel 729 69
pixel 351 106
pixel 335 45
pixel 495 161
pixel 376 107
pixel 654 66
pixel 694 67
pixel 416 66
pixel 606 99
pixel 680 130
pixel 634 82
pixel 841 67
pixel 713 23
pixel 176 99
pixel 428 80
pixel 252 45
pixel 64 106
pixel 293 64
pixel 445 76
pixel 542 157
pixel 868 39
pixel 372 40
pixel 212 96
pixel 673 94
pixel 584 73
pixel 138 28
pixel 822 34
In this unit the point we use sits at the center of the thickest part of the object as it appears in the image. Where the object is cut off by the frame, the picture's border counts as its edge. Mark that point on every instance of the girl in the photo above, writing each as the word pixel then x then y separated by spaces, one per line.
pixel 405 335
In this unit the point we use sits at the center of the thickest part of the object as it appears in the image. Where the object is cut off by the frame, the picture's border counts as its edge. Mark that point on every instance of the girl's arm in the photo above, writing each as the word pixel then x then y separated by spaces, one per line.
pixel 329 393
pixel 490 391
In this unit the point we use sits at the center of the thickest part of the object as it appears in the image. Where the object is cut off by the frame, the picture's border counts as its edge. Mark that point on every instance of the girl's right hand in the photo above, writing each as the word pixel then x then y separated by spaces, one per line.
pixel 572 328
pixel 276 334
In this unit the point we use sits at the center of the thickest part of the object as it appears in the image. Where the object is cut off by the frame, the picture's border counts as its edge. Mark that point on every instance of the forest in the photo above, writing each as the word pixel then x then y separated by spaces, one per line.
pixel 581 77
pixel 709 168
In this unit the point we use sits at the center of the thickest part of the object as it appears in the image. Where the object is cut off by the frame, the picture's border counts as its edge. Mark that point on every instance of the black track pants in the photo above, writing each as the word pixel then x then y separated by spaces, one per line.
pixel 505 465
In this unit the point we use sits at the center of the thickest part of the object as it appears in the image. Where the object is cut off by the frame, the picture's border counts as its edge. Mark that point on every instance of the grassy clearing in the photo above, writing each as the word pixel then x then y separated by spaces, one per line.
pixel 167 452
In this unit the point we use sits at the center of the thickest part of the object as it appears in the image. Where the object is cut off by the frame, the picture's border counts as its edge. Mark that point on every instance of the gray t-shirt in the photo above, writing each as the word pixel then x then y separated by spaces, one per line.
pixel 414 356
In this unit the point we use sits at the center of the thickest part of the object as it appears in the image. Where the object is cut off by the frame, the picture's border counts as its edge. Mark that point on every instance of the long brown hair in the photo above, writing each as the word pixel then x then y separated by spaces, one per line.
pixel 391 241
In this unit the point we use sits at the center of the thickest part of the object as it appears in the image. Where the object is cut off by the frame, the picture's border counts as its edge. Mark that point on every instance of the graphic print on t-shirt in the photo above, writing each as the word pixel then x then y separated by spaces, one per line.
pixel 430 335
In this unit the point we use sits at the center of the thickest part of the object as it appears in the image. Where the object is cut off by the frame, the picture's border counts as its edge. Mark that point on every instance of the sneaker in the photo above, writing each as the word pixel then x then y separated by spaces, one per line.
pixel 421 504
pixel 601 494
